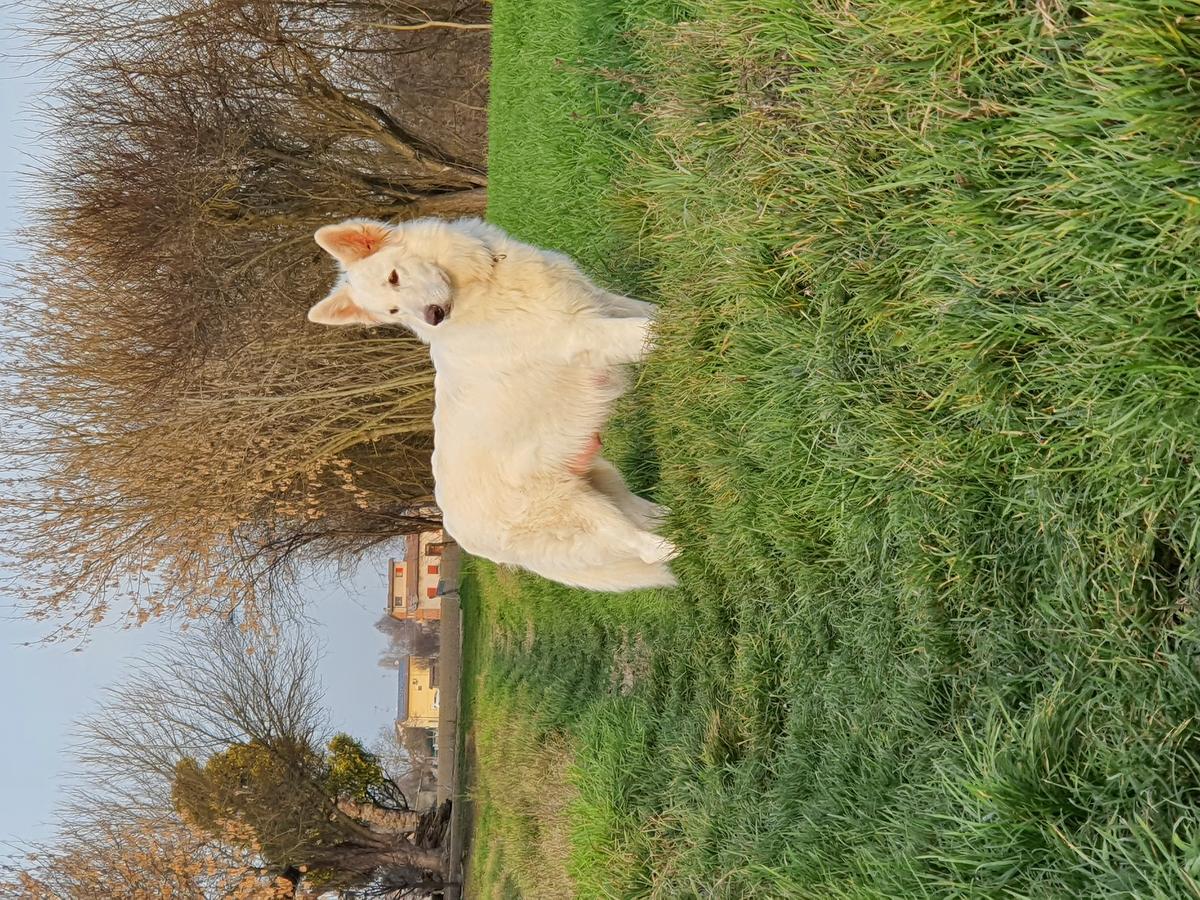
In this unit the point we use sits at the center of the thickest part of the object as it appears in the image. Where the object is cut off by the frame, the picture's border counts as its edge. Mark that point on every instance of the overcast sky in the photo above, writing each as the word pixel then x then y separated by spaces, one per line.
pixel 46 688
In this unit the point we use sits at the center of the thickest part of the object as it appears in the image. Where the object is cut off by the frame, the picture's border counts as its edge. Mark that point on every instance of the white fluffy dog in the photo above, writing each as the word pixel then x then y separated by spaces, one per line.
pixel 526 351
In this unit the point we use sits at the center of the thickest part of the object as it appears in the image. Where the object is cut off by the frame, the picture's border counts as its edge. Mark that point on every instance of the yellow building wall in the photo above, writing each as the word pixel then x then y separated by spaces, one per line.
pixel 423 697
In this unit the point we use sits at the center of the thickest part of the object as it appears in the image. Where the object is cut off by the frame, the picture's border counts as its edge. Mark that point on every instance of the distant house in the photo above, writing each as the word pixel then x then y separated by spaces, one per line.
pixel 413 582
pixel 418 704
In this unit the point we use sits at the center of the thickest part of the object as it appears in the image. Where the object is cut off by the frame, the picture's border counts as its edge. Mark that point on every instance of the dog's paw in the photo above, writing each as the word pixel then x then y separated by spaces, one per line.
pixel 658 550
pixel 638 336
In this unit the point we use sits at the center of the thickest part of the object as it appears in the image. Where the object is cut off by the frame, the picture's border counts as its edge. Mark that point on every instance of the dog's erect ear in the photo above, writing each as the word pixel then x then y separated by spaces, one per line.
pixel 352 240
pixel 339 308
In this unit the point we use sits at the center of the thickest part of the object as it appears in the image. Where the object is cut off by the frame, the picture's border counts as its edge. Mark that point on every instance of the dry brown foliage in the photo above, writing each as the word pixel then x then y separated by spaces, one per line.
pixel 148 860
pixel 187 440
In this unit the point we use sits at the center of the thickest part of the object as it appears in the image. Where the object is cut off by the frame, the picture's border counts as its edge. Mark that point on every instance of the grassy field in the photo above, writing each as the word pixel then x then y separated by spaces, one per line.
pixel 926 410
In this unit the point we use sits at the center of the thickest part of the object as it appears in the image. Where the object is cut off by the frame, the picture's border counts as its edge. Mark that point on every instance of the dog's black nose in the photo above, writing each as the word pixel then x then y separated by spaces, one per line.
pixel 434 314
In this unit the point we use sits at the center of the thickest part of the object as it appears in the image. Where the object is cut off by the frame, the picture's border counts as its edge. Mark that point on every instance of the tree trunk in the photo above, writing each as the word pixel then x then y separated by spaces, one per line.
pixel 453 205
pixel 353 862
pixel 381 819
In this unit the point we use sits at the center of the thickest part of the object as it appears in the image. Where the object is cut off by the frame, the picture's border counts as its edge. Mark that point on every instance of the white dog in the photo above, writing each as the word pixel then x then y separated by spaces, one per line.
pixel 526 351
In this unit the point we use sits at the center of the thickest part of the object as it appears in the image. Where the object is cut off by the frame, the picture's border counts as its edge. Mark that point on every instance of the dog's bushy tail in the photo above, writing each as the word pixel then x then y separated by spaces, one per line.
pixel 626 575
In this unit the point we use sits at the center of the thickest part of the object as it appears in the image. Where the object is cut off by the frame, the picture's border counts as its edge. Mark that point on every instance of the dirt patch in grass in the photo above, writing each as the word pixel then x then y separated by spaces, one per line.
pixel 630 662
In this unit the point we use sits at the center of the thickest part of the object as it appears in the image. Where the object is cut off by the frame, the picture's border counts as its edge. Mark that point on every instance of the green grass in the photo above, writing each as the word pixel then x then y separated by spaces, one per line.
pixel 925 407
pixel 518 783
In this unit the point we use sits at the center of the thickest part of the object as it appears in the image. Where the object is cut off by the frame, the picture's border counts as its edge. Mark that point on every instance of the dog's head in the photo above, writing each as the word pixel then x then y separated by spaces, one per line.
pixel 398 274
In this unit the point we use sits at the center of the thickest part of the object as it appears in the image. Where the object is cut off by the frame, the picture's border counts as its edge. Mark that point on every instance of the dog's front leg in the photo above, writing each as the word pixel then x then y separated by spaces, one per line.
pixel 606 342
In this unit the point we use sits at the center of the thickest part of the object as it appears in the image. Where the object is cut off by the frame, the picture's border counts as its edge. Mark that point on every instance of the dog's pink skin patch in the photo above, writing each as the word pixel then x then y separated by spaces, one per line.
pixel 582 464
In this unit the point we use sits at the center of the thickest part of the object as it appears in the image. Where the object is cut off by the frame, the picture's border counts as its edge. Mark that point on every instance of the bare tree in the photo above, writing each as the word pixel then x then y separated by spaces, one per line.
pixel 216 754
pixel 415 775
pixel 187 438
pixel 417 744
pixel 407 638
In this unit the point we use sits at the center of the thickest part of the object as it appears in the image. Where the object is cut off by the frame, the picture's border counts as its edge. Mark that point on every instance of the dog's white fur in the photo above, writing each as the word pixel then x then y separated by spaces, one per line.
pixel 527 360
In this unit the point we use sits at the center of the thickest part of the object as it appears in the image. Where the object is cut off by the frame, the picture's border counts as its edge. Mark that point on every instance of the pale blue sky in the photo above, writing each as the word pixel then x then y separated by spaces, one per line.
pixel 46 688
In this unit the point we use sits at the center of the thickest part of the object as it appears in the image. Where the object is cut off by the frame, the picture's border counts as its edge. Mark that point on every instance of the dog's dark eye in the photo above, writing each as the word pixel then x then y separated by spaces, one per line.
pixel 393 310
pixel 393 278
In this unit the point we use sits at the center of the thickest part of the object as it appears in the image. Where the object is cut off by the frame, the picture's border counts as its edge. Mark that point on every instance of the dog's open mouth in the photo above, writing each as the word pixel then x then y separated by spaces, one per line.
pixel 435 314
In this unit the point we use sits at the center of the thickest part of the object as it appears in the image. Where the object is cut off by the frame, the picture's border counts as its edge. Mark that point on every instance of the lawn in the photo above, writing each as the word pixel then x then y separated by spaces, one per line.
pixel 926 410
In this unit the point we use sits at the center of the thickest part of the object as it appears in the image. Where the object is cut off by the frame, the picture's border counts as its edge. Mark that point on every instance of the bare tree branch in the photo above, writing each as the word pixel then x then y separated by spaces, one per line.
pixel 185 437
